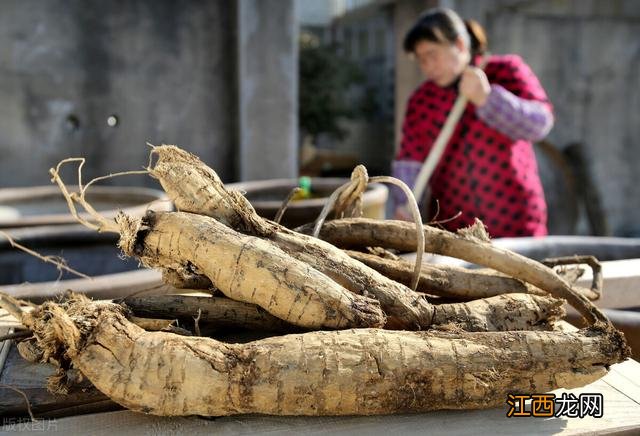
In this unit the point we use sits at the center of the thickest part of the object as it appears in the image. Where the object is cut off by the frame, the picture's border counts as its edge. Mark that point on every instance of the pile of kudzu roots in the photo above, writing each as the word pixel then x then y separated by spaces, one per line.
pixel 352 329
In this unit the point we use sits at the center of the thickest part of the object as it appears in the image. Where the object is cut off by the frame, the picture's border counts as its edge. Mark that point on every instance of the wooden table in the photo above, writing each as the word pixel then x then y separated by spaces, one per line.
pixel 621 415
pixel 620 389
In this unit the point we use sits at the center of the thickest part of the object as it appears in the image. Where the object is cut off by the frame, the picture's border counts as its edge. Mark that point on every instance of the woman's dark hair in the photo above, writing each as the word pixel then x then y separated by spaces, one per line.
pixel 442 25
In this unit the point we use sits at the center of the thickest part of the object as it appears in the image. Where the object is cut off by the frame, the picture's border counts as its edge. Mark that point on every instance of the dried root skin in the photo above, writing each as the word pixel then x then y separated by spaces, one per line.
pixel 185 280
pixel 404 308
pixel 364 232
pixel 446 280
pixel 363 372
pixel 506 312
pixel 247 269
pixel 196 188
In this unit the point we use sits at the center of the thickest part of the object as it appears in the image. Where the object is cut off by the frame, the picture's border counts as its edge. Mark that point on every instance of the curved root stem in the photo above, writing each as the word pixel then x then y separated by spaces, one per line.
pixel 11 305
pixel 104 224
pixel 327 208
pixel 54 260
pixel 352 192
pixel 417 219
pixel 69 197
pixel 285 204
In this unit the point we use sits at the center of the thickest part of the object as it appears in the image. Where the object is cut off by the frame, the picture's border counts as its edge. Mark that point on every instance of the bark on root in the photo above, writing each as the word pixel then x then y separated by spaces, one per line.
pixel 184 279
pixel 445 280
pixel 469 246
pixel 350 372
pixel 217 312
pixel 247 269
pixel 196 187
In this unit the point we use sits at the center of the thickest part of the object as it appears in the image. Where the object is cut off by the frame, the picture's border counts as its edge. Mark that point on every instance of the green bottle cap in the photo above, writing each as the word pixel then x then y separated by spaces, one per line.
pixel 304 183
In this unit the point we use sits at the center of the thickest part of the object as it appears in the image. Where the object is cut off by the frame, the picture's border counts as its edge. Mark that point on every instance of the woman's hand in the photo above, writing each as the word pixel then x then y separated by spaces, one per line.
pixel 474 85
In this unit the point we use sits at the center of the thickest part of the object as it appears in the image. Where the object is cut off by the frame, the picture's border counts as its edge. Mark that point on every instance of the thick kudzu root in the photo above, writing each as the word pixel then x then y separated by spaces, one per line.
pixel 196 188
pixel 206 195
pixel 445 280
pixel 247 269
pixel 470 246
pixel 350 372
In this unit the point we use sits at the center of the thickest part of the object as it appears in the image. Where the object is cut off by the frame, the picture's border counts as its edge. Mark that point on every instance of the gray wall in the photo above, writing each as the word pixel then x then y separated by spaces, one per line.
pixel 268 93
pixel 162 67
pixel 167 69
pixel 587 56
pixel 365 36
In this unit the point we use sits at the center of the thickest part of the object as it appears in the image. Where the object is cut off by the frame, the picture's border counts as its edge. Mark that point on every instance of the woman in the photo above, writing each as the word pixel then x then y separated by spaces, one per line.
pixel 488 169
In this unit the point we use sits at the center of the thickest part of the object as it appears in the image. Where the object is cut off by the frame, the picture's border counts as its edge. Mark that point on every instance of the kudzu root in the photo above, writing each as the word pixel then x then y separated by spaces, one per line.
pixel 217 312
pixel 247 269
pixel 445 280
pixel 470 244
pixel 405 309
pixel 349 372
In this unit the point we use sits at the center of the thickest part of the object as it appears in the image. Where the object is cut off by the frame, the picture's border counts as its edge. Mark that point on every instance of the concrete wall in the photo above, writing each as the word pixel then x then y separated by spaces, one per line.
pixel 163 68
pixel 167 70
pixel 268 92
pixel 365 36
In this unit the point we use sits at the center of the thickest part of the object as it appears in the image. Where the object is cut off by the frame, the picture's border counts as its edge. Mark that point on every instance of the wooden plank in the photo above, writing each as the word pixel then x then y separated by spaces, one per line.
pixel 31 379
pixel 621 413
pixel 625 377
pixel 621 283
pixel 620 389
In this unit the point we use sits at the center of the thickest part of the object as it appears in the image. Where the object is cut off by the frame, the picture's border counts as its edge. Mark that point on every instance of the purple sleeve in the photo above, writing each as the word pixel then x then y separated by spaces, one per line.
pixel 407 171
pixel 516 117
